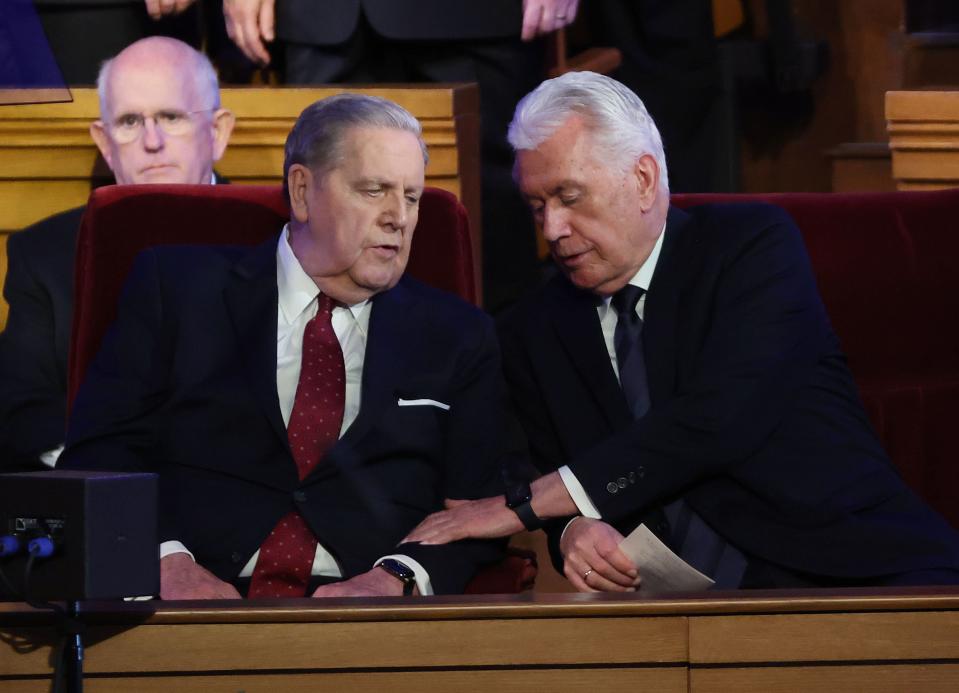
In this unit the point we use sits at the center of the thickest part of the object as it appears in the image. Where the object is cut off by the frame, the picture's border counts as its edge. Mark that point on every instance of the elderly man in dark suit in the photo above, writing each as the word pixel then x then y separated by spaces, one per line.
pixel 682 373
pixel 160 122
pixel 304 404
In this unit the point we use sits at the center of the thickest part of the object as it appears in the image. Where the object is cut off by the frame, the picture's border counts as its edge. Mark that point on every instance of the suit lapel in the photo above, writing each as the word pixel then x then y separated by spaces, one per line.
pixel 251 300
pixel 385 355
pixel 662 301
pixel 575 320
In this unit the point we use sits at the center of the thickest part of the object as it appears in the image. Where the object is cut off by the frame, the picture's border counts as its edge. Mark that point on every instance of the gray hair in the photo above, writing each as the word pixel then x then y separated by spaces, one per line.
pixel 317 137
pixel 202 71
pixel 617 117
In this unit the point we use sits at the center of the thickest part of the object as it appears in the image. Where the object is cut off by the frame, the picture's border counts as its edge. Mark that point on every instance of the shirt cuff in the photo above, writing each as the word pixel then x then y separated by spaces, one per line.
pixel 578 493
pixel 171 547
pixel 422 577
pixel 50 457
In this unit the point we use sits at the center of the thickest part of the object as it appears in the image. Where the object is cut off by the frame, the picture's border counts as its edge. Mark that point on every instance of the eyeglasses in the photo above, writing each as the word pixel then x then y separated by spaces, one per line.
pixel 128 127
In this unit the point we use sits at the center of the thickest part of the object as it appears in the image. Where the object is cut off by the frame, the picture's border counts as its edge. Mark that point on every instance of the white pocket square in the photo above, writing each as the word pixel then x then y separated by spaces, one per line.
pixel 422 403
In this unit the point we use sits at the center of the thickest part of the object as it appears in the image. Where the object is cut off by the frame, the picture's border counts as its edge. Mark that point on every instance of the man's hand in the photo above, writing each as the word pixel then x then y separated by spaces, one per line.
pixel 592 561
pixel 249 23
pixel 372 583
pixel 544 16
pixel 487 518
pixel 182 578
pixel 157 9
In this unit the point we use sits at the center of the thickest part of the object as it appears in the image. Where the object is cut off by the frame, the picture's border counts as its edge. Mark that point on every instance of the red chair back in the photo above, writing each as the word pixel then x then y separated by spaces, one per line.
pixel 120 221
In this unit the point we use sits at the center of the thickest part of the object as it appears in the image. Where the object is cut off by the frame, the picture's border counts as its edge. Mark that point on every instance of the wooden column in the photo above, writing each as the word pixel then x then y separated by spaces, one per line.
pixel 924 138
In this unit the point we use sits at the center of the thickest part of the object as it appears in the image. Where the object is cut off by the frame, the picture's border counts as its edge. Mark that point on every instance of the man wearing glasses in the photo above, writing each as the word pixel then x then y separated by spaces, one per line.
pixel 160 122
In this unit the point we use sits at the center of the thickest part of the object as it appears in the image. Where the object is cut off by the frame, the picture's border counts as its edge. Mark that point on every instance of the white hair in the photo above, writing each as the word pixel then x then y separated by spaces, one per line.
pixel 202 71
pixel 617 118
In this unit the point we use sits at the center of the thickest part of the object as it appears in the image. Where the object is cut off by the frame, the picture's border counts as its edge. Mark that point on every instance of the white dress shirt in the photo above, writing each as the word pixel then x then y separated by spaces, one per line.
pixel 297 296
pixel 607 320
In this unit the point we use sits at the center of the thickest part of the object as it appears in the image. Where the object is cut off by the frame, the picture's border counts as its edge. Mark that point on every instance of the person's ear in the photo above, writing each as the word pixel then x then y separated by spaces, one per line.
pixel 223 122
pixel 98 131
pixel 646 171
pixel 299 180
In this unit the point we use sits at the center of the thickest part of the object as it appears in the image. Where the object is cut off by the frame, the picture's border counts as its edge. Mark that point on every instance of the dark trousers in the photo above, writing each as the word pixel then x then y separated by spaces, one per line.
pixel 83 35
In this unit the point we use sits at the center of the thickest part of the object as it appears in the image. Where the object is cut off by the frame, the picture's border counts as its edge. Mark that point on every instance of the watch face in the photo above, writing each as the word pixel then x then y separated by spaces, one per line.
pixel 517 494
pixel 401 571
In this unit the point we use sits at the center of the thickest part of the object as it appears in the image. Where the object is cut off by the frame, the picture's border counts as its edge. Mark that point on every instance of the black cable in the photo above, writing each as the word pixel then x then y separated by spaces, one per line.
pixel 9 586
pixel 35 603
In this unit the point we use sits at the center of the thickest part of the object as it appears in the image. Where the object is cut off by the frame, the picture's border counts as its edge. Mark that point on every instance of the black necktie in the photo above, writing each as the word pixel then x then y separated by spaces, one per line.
pixel 628 340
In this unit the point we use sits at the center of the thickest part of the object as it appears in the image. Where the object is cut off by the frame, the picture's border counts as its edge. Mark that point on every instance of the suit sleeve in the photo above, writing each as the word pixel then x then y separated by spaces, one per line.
pixel 114 422
pixel 765 335
pixel 530 408
pixel 32 399
pixel 477 446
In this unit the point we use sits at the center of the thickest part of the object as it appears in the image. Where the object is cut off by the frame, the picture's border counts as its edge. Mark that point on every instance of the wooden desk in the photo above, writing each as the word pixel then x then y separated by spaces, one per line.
pixel 872 640
pixel 48 162
pixel 924 138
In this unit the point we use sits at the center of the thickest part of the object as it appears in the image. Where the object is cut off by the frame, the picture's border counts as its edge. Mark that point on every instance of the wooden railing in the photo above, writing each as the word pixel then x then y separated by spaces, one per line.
pixel 863 639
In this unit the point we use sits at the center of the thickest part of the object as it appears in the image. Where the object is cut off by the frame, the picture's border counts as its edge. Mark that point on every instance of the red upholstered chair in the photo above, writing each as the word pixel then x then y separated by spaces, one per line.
pixel 122 220
pixel 887 266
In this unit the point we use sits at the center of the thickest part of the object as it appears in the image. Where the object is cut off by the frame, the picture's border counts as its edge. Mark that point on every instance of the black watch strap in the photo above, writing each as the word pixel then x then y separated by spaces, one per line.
pixel 519 497
pixel 401 572
pixel 531 521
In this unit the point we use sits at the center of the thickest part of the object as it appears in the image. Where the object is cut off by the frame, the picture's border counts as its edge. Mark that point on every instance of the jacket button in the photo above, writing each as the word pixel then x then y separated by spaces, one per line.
pixel 236 557
pixel 299 496
pixel 621 481
pixel 612 487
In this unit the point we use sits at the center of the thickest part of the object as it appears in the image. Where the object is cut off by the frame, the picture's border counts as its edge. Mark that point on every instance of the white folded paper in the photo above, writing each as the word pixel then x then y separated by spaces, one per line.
pixel 661 570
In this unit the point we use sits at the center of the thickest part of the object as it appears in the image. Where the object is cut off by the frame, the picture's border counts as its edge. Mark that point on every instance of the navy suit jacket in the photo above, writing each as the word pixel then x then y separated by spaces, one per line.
pixel 36 340
pixel 185 386
pixel 35 343
pixel 755 418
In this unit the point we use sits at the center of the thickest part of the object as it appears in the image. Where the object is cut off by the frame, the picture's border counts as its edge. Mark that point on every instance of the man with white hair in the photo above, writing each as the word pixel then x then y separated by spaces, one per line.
pixel 160 122
pixel 682 373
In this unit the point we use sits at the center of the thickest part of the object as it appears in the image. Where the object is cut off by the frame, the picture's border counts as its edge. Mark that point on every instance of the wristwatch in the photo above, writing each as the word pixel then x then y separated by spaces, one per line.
pixel 401 572
pixel 518 497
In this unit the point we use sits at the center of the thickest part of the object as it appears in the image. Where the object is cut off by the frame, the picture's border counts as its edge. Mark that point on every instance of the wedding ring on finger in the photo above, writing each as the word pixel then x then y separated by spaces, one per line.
pixel 586 574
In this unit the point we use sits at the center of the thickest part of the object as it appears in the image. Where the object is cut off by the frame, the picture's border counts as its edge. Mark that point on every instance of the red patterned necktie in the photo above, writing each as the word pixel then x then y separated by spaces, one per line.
pixel 286 556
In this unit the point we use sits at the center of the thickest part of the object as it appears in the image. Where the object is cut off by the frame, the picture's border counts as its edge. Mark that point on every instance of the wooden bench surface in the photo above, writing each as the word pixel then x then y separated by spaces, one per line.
pixel 865 639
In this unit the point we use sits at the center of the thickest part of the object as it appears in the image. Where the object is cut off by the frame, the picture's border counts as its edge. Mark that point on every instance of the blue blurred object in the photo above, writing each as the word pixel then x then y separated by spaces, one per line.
pixel 26 61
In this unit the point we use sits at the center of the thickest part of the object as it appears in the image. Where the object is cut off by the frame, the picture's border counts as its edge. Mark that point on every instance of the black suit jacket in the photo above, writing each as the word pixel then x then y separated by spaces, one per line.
pixel 34 345
pixel 185 385
pixel 755 418
pixel 333 21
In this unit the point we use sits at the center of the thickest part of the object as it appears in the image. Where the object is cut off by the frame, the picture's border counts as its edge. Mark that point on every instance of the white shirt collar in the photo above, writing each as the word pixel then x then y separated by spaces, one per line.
pixel 644 277
pixel 297 290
